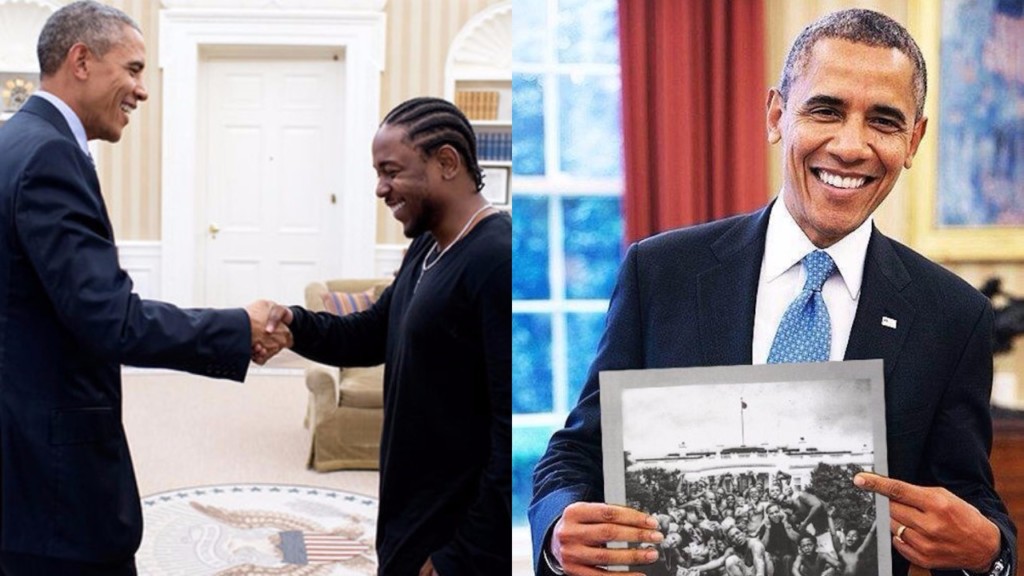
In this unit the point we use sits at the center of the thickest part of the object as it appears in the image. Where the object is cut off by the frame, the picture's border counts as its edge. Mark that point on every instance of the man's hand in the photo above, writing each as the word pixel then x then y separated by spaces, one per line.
pixel 266 343
pixel 278 315
pixel 579 537
pixel 941 530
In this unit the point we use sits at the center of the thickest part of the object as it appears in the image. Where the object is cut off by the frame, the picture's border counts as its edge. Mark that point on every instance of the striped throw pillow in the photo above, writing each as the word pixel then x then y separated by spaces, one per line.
pixel 342 303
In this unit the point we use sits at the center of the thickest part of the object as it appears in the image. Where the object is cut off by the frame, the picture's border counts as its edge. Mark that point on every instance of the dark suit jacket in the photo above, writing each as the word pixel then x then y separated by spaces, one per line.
pixel 68 321
pixel 687 298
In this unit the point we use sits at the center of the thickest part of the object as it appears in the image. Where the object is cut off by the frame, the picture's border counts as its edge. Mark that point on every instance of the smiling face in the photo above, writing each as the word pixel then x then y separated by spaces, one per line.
pixel 114 87
pixel 405 180
pixel 847 132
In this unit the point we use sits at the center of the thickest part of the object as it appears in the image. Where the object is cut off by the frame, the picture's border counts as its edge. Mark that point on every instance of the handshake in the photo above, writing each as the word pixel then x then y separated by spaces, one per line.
pixel 270 334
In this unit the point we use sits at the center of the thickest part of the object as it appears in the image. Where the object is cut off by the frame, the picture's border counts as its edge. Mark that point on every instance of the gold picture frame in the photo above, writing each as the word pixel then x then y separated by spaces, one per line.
pixel 978 243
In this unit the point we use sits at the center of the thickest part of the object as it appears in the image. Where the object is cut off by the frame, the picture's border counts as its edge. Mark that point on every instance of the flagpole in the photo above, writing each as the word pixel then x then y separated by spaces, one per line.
pixel 743 431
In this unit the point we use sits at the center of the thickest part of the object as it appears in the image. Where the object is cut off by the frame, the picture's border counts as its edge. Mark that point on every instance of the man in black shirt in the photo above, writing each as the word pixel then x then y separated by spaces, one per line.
pixel 443 329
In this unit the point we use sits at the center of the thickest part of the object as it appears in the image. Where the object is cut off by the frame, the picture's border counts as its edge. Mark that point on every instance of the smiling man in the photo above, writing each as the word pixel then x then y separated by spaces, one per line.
pixel 443 330
pixel 809 278
pixel 69 503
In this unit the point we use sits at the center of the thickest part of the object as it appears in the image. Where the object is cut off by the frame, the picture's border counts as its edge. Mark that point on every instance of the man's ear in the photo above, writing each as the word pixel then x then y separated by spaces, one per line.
pixel 915 140
pixel 449 160
pixel 78 58
pixel 775 106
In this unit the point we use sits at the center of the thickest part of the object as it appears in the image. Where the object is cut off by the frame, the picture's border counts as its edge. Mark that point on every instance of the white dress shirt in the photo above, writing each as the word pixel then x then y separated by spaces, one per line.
pixel 783 274
pixel 70 117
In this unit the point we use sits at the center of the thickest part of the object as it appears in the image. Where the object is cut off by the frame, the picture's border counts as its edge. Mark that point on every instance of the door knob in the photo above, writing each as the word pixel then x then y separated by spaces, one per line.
pixel 214 229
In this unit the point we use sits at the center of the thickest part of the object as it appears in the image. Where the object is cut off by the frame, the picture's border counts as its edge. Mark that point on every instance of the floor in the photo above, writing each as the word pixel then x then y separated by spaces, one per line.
pixel 187 431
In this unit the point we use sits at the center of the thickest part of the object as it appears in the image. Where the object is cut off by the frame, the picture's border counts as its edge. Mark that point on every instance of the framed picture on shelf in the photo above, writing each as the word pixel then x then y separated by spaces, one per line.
pixel 496 183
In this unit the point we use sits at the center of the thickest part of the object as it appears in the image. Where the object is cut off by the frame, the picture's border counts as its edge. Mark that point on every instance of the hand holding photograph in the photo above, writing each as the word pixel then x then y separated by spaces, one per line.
pixel 750 468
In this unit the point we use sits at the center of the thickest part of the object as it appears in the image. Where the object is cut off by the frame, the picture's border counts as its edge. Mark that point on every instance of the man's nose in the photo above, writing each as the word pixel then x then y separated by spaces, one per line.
pixel 140 91
pixel 850 142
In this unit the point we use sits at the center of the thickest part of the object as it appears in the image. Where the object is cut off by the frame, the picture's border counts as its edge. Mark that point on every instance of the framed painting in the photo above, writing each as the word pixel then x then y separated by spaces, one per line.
pixel 967 180
pixel 725 455
pixel 496 182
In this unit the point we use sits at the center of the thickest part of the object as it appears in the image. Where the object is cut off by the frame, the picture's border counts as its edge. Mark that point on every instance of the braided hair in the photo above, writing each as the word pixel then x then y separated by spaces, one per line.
pixel 432 123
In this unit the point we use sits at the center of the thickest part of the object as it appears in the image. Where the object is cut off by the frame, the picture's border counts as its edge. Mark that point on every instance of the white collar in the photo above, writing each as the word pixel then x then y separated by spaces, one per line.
pixel 74 122
pixel 786 244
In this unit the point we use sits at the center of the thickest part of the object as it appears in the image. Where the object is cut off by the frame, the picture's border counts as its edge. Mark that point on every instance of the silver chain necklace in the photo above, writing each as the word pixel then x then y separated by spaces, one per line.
pixel 424 266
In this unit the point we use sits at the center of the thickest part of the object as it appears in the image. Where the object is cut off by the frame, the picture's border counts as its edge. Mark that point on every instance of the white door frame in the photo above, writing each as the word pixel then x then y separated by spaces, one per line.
pixel 183 34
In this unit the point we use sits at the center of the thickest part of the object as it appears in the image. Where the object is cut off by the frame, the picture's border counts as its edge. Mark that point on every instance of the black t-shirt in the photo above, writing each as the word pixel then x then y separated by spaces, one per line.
pixel 445 466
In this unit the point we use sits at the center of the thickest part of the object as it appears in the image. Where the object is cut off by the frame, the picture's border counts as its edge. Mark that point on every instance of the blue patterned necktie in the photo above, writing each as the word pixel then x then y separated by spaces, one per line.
pixel 805 332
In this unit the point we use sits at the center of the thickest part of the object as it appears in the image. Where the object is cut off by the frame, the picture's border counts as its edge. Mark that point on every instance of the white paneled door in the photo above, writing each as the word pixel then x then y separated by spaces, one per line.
pixel 272 157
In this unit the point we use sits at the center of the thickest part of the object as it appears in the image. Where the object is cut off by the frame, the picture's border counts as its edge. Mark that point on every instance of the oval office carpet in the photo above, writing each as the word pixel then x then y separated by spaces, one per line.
pixel 258 529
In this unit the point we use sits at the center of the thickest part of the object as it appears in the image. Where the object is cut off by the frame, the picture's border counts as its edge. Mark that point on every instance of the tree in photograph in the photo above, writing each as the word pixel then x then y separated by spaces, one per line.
pixel 834 486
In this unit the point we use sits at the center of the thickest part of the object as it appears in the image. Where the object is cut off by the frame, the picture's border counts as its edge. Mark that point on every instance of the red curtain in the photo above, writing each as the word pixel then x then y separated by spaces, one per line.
pixel 693 97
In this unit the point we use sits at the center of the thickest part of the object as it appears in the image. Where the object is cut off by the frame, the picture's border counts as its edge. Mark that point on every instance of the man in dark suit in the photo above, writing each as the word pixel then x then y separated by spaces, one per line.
pixel 69 503
pixel 849 115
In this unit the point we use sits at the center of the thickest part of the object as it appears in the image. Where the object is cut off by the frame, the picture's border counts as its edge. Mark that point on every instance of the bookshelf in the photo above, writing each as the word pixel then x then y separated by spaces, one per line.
pixel 478 79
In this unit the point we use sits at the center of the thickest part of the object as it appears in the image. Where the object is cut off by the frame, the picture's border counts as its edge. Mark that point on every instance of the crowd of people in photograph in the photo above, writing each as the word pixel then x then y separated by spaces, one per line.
pixel 755 525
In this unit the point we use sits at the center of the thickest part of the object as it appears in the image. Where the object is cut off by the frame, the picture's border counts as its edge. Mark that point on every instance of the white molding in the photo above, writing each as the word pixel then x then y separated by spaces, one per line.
pixel 183 34
pixel 388 258
pixel 141 259
pixel 482 50
pixel 374 5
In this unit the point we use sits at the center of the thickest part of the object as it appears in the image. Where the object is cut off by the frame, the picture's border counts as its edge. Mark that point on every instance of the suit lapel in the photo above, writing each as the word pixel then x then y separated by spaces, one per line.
pixel 881 301
pixel 728 292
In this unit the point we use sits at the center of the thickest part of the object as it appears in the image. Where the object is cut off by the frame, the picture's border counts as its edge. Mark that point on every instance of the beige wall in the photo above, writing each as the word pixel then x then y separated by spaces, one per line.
pixel 419 33
pixel 785 19
pixel 129 171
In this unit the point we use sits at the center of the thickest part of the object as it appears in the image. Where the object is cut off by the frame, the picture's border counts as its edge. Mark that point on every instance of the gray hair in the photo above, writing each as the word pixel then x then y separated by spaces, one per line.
pixel 863 27
pixel 96 25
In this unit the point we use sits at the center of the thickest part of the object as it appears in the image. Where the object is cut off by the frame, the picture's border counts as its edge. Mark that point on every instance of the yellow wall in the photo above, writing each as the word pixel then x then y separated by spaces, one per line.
pixel 785 19
pixel 419 33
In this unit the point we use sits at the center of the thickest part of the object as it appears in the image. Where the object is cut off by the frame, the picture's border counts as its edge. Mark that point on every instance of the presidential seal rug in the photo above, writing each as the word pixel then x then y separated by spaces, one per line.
pixel 258 530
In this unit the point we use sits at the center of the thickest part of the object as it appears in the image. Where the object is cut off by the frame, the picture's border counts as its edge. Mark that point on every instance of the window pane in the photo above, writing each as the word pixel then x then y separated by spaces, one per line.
pixel 527 124
pixel 588 31
pixel 528 445
pixel 593 245
pixel 531 363
pixel 530 248
pixel 585 332
pixel 591 137
pixel 529 22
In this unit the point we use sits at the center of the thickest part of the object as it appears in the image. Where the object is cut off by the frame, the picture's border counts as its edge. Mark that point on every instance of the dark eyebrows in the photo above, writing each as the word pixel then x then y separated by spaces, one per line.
pixel 823 100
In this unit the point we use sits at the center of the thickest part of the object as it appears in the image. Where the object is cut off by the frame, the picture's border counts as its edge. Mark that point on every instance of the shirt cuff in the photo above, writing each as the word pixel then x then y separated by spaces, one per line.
pixel 555 567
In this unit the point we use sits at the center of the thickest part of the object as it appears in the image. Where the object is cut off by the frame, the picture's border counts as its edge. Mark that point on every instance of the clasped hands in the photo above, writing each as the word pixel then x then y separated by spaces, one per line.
pixel 268 322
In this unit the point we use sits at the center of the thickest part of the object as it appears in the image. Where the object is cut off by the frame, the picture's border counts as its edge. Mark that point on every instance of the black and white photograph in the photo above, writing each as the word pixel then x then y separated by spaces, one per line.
pixel 749 469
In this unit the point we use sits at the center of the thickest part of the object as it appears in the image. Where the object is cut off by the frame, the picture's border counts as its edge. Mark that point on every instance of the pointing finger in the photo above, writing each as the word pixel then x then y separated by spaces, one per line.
pixel 895 490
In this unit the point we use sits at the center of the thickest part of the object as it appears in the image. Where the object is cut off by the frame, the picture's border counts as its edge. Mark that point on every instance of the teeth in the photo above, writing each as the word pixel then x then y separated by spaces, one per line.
pixel 840 182
pixel 396 207
pixel 126 109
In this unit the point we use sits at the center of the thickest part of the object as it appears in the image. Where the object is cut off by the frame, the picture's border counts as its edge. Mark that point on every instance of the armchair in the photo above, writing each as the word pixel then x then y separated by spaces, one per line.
pixel 346 407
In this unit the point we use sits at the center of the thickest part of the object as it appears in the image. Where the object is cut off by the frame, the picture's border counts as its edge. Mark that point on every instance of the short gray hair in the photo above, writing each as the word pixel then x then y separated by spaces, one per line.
pixel 96 25
pixel 863 27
